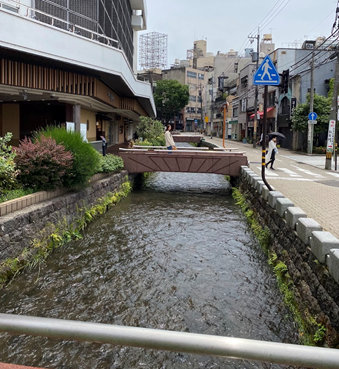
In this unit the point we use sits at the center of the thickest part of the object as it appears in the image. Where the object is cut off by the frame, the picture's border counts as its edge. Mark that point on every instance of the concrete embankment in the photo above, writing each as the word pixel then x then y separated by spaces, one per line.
pixel 308 256
pixel 32 225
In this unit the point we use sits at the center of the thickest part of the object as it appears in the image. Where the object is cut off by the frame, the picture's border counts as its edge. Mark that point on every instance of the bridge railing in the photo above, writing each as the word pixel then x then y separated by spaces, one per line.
pixel 194 150
pixel 227 347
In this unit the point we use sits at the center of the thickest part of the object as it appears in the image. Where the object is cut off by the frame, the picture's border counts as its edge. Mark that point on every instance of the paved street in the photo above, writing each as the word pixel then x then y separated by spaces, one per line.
pixel 302 179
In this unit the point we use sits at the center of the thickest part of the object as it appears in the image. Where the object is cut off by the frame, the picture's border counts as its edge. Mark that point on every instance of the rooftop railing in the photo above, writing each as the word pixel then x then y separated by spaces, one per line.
pixel 40 16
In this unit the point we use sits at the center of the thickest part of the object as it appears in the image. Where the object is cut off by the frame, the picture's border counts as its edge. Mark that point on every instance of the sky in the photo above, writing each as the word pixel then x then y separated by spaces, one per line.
pixel 226 24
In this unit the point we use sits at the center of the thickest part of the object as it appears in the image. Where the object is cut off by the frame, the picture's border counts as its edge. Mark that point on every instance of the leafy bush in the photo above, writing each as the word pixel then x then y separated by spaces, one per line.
pixel 85 158
pixel 42 164
pixel 319 150
pixel 8 172
pixel 15 194
pixel 158 141
pixel 111 163
pixel 150 130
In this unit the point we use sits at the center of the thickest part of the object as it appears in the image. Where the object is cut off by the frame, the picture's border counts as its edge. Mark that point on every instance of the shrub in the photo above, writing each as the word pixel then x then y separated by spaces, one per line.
pixel 319 150
pixel 111 163
pixel 42 164
pixel 85 158
pixel 14 194
pixel 8 172
pixel 150 129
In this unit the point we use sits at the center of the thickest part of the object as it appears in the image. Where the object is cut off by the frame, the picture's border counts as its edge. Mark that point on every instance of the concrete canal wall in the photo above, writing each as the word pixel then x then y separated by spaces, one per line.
pixel 35 222
pixel 310 253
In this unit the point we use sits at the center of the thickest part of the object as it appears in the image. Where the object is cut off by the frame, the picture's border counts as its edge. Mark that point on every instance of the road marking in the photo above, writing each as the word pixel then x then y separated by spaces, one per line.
pixel 269 173
pixel 290 172
pixel 295 179
pixel 334 174
pixel 308 172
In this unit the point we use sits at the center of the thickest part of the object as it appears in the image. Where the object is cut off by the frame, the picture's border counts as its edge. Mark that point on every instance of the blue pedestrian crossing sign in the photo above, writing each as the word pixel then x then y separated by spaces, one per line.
pixel 312 116
pixel 266 74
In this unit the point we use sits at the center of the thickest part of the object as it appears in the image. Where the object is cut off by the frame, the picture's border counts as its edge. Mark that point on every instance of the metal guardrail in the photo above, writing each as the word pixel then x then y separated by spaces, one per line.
pixel 236 348
pixel 54 21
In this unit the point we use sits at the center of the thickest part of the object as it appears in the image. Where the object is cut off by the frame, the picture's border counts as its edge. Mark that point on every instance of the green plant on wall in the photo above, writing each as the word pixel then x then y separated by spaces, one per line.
pixel 310 331
pixel 55 236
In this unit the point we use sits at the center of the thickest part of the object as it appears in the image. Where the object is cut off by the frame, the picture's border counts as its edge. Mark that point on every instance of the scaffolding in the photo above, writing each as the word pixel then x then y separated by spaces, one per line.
pixel 153 50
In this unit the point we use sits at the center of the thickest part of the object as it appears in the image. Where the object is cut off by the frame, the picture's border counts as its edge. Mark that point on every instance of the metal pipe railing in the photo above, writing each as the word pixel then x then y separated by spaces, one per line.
pixel 236 348
pixel 69 25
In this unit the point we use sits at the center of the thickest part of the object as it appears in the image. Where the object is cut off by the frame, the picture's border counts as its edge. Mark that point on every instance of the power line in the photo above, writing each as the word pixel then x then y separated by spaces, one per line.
pixel 275 14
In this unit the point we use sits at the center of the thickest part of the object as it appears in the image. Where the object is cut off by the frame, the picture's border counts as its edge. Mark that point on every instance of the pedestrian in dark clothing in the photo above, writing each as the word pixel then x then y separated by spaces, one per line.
pixel 104 145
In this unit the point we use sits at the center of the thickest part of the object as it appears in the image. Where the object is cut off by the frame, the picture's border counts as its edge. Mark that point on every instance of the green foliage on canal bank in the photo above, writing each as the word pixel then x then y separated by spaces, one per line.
pixel 310 331
pixel 55 236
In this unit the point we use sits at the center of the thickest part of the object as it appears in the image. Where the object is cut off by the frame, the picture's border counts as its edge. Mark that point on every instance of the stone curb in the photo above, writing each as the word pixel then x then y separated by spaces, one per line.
pixel 324 245
pixel 23 202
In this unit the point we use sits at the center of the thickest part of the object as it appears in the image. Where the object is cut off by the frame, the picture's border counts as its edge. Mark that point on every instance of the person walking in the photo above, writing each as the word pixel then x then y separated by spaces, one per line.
pixel 169 139
pixel 272 151
pixel 103 139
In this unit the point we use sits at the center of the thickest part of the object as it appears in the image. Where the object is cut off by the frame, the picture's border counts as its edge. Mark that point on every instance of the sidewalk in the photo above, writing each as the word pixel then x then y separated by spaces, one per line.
pixel 311 187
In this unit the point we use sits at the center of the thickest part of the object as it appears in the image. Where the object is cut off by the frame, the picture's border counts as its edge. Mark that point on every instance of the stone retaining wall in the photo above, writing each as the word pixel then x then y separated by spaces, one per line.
pixel 304 247
pixel 20 228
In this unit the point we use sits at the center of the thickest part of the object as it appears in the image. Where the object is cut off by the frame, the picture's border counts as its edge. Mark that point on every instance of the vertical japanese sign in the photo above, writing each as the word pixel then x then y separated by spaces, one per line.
pixel 330 136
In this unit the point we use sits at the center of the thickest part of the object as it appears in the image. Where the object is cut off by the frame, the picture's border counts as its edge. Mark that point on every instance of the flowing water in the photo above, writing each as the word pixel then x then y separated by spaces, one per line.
pixel 177 254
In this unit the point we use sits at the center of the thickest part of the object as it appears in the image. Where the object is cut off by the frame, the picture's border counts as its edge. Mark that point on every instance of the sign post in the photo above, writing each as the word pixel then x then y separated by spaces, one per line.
pixel 266 75
pixel 311 118
pixel 330 144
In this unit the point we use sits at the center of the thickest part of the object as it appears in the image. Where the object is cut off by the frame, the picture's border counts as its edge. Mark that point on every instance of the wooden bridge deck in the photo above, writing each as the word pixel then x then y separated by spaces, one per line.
pixel 188 161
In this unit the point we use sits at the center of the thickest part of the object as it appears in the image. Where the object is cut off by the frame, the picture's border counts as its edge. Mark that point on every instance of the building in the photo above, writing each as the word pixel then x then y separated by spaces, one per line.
pixel 72 63
pixel 298 61
pixel 192 116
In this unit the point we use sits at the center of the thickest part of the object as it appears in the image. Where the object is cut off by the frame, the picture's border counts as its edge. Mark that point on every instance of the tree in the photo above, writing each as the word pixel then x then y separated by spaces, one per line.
pixel 170 97
pixel 322 106
pixel 151 130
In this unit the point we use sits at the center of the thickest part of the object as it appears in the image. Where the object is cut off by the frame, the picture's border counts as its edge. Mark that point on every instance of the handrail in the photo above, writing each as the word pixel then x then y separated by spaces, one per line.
pixel 237 348
pixel 209 152
pixel 165 147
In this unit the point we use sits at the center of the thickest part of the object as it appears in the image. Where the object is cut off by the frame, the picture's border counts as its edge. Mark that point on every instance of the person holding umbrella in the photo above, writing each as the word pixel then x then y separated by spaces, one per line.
pixel 272 151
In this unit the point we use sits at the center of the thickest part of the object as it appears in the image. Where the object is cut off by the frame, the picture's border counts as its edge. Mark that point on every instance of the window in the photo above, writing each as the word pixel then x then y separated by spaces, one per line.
pixel 110 17
pixel 188 109
pixel 235 111
pixel 199 110
pixel 243 104
pixel 191 74
pixel 285 107
pixel 199 99
pixel 200 76
pixel 193 98
pixel 271 99
pixel 193 110
pixel 244 82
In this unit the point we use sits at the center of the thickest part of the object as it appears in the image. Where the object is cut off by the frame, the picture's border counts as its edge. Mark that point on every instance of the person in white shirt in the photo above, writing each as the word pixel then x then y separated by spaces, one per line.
pixel 169 139
pixel 272 151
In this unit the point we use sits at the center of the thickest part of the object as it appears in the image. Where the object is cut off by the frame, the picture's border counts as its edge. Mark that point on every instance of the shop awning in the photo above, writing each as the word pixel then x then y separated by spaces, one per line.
pixel 262 113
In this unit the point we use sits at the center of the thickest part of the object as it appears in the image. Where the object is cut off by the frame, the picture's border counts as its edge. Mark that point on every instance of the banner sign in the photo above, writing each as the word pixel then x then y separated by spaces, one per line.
pixel 330 136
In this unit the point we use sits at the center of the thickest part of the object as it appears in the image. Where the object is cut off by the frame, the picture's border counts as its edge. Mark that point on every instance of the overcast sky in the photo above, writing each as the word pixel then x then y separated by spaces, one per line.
pixel 225 24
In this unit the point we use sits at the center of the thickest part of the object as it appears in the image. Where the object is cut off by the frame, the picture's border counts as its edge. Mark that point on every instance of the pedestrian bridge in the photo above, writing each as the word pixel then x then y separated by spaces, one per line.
pixel 140 159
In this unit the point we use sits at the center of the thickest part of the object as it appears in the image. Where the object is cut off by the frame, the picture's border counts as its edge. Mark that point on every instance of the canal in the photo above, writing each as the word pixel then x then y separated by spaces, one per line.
pixel 177 254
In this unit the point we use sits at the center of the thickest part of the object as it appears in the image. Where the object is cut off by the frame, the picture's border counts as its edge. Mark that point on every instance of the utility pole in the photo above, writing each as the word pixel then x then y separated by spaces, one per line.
pixel 335 104
pixel 333 115
pixel 201 87
pixel 311 126
pixel 255 124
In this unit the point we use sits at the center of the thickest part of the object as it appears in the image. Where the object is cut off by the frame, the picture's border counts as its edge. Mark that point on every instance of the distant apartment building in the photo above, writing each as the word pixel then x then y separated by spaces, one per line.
pixel 192 116
pixel 72 63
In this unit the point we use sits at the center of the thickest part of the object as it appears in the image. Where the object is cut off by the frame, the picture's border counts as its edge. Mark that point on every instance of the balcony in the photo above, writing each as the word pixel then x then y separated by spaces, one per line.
pixel 66 48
